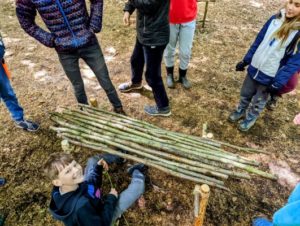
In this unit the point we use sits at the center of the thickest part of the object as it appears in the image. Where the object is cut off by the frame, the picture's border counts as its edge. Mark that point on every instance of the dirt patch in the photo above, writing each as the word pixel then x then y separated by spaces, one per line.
pixel 41 86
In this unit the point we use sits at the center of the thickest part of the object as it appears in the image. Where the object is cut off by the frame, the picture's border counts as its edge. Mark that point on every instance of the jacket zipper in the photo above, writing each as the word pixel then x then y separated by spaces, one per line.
pixel 67 22
pixel 144 24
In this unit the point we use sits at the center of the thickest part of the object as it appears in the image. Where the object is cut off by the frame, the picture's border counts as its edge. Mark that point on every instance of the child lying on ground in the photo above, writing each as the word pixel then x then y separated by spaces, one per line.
pixel 77 198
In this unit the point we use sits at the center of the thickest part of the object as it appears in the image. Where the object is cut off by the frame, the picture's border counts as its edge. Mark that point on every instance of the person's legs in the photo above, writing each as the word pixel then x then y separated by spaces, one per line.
pixel 128 197
pixel 70 64
pixel 169 54
pixel 93 56
pixel 258 103
pixel 186 37
pixel 248 90
pixel 153 57
pixel 9 97
pixel 137 62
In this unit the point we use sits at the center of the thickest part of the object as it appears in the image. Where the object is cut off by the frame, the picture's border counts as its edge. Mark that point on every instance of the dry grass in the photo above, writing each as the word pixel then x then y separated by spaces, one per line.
pixel 231 28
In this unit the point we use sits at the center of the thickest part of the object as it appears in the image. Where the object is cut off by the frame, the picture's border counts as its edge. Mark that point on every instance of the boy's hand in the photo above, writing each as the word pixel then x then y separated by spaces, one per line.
pixel 113 192
pixel 102 163
pixel 126 19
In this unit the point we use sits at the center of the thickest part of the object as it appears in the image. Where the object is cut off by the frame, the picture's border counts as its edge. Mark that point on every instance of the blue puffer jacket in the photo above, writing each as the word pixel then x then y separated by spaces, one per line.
pixel 68 21
pixel 270 61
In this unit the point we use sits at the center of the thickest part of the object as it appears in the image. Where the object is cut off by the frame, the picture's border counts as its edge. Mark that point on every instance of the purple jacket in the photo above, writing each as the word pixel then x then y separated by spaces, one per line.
pixel 68 21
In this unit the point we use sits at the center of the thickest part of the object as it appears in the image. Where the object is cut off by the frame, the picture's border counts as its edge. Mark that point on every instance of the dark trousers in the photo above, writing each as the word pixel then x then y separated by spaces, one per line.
pixel 152 56
pixel 93 56
pixel 254 97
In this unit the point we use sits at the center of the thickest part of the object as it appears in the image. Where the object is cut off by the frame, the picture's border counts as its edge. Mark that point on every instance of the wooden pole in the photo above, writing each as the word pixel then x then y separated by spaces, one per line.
pixel 94 102
pixel 204 191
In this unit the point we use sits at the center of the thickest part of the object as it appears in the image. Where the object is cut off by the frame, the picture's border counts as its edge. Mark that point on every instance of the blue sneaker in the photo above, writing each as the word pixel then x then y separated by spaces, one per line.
pixel 261 222
pixel 27 125
pixel 236 115
pixel 155 111
pixel 247 123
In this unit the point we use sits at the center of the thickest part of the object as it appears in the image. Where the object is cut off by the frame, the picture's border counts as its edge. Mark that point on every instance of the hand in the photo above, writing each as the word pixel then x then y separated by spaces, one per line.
pixel 272 89
pixel 241 66
pixel 113 192
pixel 102 163
pixel 297 119
pixel 126 19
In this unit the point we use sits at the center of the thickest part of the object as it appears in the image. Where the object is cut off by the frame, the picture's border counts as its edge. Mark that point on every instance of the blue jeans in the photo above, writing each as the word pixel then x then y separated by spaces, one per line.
pixel 8 95
pixel 184 35
pixel 254 97
pixel 152 57
pixel 94 58
pixel 130 195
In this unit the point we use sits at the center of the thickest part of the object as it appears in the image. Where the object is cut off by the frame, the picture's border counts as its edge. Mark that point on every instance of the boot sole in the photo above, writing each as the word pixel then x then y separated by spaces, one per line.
pixel 159 114
pixel 130 89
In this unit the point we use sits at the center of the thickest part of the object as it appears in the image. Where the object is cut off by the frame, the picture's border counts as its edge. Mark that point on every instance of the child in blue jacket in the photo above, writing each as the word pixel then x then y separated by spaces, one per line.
pixel 272 60
pixel 287 215
pixel 8 96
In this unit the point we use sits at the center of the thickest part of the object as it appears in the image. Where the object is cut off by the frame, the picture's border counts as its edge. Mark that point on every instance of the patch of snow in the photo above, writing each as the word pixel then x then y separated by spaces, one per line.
pixel 8 53
pixel 87 72
pixel 109 58
pixel 111 50
pixel 285 175
pixel 10 40
pixel 40 74
pixel 98 87
pixel 28 63
pixel 88 82
pixel 256 4
pixel 135 95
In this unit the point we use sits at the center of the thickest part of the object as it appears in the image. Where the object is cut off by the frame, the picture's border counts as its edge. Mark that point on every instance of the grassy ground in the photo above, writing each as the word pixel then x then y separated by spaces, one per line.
pixel 42 87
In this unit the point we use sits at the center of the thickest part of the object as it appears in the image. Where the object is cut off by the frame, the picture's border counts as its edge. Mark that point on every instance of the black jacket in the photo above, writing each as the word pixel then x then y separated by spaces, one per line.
pixel 152 23
pixel 83 207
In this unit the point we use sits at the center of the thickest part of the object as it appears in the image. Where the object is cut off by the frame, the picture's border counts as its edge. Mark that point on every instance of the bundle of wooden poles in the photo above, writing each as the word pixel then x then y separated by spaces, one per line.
pixel 189 157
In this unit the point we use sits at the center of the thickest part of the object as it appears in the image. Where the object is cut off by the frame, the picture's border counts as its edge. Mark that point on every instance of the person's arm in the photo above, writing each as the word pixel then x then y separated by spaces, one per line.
pixel 26 13
pixel 284 74
pixel 109 206
pixel 88 216
pixel 260 37
pixel 96 15
pixel 129 7
pixel 147 6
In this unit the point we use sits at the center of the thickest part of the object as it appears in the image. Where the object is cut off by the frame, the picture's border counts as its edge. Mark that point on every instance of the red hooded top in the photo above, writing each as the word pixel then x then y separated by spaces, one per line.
pixel 183 11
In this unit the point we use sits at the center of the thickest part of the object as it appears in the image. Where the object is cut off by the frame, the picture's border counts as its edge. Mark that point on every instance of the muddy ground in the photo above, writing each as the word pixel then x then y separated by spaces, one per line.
pixel 42 87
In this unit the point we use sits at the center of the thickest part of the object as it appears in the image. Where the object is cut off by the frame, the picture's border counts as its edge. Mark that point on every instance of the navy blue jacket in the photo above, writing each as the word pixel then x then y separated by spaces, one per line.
pixel 68 21
pixel 85 206
pixel 270 61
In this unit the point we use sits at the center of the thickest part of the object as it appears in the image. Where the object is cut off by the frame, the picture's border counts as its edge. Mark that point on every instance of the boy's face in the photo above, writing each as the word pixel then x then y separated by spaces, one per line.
pixel 69 175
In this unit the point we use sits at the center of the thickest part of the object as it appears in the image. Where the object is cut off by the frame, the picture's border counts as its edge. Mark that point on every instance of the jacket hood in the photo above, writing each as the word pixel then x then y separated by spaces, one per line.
pixel 62 206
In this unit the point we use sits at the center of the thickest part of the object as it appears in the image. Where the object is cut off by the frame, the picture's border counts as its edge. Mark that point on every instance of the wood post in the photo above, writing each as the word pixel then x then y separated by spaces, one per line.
pixel 94 102
pixel 200 207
